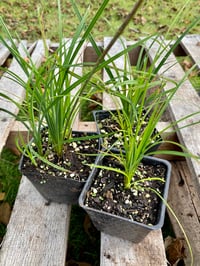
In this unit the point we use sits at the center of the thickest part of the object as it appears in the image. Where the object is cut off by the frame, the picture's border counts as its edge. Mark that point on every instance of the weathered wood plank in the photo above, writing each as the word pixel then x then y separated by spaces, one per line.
pixel 191 45
pixel 87 126
pixel 181 199
pixel 108 101
pixel 38 53
pixel 185 102
pixel 11 88
pixel 14 90
pixel 78 69
pixel 90 126
pixel 184 188
pixel 37 233
pixel 4 53
pixel 149 252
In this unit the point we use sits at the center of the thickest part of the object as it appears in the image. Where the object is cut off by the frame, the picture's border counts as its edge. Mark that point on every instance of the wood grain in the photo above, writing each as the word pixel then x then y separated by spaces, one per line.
pixel 110 102
pixel 14 90
pixel 4 53
pixel 181 199
pixel 149 252
pixel 37 233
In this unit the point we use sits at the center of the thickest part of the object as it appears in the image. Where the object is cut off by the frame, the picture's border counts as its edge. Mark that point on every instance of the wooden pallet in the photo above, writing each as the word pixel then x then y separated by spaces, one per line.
pixel 37 234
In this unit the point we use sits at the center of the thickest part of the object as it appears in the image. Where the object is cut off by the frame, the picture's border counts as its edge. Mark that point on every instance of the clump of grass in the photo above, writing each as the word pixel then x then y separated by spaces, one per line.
pixel 195 80
pixel 9 180
pixel 9 175
pixel 194 76
pixel 84 239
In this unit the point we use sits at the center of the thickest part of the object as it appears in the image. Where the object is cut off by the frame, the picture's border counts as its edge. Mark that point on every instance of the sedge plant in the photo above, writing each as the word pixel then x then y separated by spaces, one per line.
pixel 141 101
pixel 50 101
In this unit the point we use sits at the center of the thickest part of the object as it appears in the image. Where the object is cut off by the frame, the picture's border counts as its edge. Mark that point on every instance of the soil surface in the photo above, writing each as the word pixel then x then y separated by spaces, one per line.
pixel 76 157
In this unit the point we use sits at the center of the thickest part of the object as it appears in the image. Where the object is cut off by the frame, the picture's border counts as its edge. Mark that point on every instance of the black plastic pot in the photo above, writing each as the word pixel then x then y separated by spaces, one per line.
pixel 54 188
pixel 119 226
pixel 101 115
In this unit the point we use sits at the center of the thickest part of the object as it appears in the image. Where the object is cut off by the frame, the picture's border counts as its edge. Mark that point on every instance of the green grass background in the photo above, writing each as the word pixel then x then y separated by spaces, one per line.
pixel 154 16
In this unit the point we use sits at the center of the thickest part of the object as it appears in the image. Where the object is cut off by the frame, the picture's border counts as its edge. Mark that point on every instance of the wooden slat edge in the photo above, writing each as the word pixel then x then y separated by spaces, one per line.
pixel 4 53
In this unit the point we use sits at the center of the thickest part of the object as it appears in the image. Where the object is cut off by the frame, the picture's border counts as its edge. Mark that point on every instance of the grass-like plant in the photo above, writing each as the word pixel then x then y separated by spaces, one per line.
pixel 141 101
pixel 50 100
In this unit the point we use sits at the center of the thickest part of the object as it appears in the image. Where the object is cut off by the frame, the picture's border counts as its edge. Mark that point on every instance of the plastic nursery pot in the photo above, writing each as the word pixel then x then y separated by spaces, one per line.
pixel 103 120
pixel 55 187
pixel 121 227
